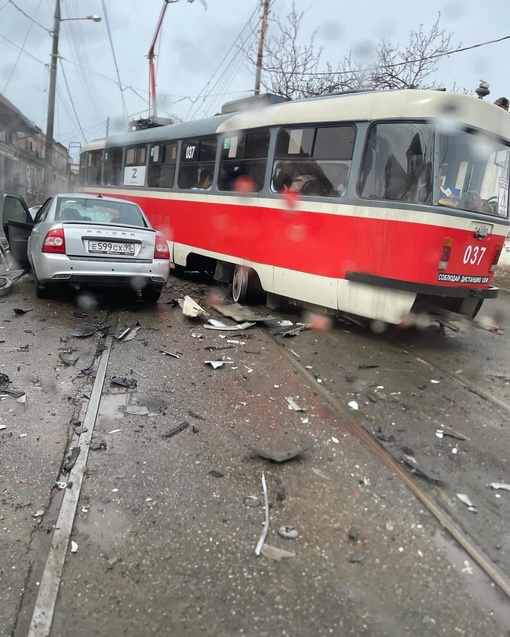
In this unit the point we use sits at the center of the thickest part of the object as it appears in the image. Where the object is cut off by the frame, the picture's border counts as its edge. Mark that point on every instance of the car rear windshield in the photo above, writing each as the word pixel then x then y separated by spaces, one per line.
pixel 97 211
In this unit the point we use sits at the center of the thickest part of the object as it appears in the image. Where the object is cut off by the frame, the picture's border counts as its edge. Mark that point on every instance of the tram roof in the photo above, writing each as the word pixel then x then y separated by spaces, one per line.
pixel 366 106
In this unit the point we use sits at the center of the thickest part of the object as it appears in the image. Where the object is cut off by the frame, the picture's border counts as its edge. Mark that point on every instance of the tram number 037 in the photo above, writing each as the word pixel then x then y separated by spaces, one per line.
pixel 474 255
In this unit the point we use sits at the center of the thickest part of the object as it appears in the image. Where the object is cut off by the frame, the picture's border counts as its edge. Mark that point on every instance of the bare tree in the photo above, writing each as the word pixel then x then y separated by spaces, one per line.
pixel 295 70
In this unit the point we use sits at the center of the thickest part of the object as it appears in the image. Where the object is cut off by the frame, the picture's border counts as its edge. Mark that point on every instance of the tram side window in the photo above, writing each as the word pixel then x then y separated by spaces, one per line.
pixel 397 164
pixel 94 166
pixel 197 163
pixel 243 155
pixel 315 161
pixel 112 175
pixel 162 160
pixel 135 166
pixel 83 169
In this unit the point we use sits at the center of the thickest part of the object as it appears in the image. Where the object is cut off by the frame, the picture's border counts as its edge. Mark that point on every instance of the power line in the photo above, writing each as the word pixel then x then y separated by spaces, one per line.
pixel 194 106
pixel 395 64
pixel 72 103
pixel 28 16
pixel 114 58
pixel 17 46
pixel 22 50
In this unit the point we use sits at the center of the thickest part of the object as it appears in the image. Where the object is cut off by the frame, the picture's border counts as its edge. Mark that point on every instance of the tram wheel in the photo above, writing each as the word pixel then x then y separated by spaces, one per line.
pixel 240 283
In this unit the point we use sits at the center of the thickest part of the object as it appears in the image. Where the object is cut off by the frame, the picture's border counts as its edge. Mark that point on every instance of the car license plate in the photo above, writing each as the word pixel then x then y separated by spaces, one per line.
pixel 112 247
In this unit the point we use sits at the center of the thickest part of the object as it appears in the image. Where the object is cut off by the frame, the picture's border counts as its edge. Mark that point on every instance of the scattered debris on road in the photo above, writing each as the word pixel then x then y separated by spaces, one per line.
pixel 356 558
pixel 74 547
pixel 279 456
pixel 466 500
pixel 288 532
pixel 227 328
pixel 71 460
pixel 176 430
pixel 500 485
pixel 216 474
pixel 69 357
pixel 293 405
pixel 19 311
pixel 129 383
pixel 191 308
pixel 83 331
pixel 265 528
pixel 417 469
pixel 252 501
pixel 216 364
pixel 276 554
pixel 174 355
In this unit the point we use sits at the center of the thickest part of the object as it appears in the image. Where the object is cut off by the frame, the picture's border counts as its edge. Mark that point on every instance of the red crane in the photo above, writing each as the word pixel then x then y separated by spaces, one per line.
pixel 152 72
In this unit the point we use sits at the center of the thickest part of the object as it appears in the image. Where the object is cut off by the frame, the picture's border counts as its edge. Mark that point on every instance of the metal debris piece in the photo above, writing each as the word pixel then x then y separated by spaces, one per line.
pixel 216 474
pixel 194 415
pixel 367 366
pixel 38 514
pixel 71 459
pixel 465 500
pixel 320 474
pixel 229 328
pixel 421 471
pixel 83 330
pixel 169 353
pixel 279 456
pixel 80 430
pixel 80 314
pixel 69 357
pixel 276 554
pixel 22 399
pixel 176 430
pixel 292 332
pixel 114 431
pixel 132 332
pixel 356 558
pixel 239 312
pixel 19 311
pixel 15 393
pixel 129 383
pixel 353 404
pixel 61 485
pixel 216 364
pixel 288 532
pixel 190 308
pixel 252 501
pixel 265 528
pixel 136 410
pixel 293 405
pixel 74 547
pixel 123 333
pixel 500 485
pixel 3 427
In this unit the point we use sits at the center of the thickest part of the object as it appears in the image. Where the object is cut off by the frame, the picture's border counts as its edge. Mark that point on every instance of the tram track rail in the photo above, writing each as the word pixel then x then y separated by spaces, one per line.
pixel 445 519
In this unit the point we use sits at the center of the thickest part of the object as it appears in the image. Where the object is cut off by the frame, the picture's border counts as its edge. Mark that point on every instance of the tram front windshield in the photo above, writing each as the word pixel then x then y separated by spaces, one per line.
pixel 474 173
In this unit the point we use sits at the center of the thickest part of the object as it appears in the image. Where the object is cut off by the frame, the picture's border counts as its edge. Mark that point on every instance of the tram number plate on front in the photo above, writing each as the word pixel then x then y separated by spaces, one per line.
pixel 112 247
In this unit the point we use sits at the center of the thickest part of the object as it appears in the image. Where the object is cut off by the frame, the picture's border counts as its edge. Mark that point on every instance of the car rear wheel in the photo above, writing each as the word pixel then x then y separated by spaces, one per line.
pixel 41 291
pixel 151 293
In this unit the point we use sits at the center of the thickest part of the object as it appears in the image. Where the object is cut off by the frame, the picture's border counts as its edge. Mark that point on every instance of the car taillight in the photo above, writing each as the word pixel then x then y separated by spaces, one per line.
pixel 161 250
pixel 495 258
pixel 55 242
pixel 445 254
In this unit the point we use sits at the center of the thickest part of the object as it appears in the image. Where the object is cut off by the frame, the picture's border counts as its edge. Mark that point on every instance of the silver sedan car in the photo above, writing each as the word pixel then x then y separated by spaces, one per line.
pixel 85 239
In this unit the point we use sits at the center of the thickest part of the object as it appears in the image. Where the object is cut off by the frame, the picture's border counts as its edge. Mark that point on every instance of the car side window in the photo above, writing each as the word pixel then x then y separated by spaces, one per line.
pixel 14 210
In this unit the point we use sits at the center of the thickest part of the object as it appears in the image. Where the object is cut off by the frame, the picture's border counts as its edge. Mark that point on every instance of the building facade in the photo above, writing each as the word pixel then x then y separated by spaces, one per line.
pixel 22 157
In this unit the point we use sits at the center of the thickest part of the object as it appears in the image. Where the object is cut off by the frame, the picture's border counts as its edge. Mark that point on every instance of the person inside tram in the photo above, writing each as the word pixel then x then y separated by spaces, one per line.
pixel 306 178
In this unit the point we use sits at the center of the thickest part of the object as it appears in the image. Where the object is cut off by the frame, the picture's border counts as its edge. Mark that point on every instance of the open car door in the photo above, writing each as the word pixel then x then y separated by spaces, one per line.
pixel 18 241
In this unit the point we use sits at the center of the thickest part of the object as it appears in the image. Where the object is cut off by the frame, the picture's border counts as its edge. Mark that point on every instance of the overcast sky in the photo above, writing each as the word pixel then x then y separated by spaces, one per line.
pixel 198 52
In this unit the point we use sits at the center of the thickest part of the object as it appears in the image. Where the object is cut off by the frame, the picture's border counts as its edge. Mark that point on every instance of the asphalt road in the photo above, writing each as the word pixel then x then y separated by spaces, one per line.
pixel 167 523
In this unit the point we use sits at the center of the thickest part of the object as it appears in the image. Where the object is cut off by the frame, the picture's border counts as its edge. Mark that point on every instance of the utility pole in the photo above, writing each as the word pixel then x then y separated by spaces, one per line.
pixel 260 54
pixel 107 125
pixel 48 147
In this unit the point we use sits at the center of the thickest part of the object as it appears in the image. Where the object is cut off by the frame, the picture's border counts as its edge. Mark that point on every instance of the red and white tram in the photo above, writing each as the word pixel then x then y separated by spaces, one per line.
pixel 381 205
